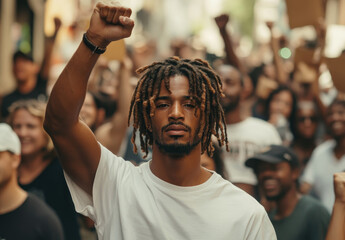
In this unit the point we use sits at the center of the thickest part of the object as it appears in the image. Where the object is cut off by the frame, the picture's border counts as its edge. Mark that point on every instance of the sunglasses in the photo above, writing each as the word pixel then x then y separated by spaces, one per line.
pixel 304 118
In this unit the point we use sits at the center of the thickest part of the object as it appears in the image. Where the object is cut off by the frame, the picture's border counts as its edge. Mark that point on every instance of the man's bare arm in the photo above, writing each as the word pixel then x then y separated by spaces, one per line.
pixel 76 145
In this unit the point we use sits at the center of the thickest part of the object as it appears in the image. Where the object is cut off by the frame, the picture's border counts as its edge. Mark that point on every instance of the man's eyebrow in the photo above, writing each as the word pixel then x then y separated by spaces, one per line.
pixel 162 98
pixel 188 97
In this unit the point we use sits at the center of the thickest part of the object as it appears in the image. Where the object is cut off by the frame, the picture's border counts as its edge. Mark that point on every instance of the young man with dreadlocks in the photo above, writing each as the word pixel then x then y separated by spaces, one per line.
pixel 176 109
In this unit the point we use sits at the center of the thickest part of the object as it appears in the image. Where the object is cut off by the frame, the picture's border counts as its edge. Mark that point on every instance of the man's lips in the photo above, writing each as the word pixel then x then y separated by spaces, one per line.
pixel 176 128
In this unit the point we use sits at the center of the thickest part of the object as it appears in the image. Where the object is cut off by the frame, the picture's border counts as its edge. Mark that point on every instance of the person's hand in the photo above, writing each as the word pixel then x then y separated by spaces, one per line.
pixel 221 21
pixel 109 22
pixel 339 186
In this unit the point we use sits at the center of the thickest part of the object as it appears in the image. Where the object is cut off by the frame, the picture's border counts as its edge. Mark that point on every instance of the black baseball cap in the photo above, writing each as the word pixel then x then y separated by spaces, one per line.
pixel 20 54
pixel 274 154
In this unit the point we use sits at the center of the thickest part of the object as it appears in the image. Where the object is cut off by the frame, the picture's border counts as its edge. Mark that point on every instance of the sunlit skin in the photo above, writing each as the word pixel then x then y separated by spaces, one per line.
pixel 281 104
pixel 177 106
pixel 30 132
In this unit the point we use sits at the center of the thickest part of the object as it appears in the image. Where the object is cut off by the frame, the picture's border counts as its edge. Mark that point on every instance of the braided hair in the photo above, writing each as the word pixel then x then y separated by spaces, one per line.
pixel 204 85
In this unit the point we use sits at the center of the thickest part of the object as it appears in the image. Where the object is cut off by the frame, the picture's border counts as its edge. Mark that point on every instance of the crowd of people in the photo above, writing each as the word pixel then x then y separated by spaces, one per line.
pixel 183 148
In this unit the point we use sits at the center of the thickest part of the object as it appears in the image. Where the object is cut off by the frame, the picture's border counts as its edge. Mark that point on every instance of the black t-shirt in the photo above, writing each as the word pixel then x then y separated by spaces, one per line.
pixel 38 93
pixel 33 220
pixel 50 186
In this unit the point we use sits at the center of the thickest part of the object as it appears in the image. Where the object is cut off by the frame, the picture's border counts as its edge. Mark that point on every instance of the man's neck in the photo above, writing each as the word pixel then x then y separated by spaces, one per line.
pixel 182 171
pixel 27 86
pixel 305 143
pixel 287 204
pixel 339 149
pixel 11 196
pixel 234 116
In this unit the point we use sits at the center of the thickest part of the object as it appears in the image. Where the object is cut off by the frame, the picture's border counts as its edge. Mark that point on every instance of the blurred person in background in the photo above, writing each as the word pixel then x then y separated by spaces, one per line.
pixel 307 136
pixel 280 111
pixel 247 134
pixel 327 158
pixel 40 172
pixel 31 78
pixel 231 58
pixel 92 112
pixel 22 215
pixel 295 217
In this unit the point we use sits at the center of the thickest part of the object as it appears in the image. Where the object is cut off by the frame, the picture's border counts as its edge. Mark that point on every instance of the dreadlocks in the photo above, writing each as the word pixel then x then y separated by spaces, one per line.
pixel 204 85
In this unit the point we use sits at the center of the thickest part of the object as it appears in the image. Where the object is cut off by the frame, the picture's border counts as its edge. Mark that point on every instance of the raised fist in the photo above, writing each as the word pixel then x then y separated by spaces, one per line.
pixel 109 22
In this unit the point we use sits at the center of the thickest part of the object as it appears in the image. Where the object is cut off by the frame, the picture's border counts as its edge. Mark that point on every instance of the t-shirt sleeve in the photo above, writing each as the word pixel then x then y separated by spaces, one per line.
pixel 112 170
pixel 260 226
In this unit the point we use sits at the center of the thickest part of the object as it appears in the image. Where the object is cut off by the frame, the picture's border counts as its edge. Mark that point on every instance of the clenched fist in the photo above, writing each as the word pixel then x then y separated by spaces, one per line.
pixel 109 22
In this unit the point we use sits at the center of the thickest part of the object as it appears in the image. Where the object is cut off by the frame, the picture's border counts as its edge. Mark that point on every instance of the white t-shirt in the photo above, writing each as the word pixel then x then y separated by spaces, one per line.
pixel 132 203
pixel 319 172
pixel 247 138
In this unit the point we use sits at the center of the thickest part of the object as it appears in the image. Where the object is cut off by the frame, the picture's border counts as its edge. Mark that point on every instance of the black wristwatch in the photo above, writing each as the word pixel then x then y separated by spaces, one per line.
pixel 92 47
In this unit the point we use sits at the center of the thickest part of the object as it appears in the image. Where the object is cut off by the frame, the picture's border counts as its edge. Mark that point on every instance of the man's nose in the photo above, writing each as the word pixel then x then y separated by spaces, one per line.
pixel 176 111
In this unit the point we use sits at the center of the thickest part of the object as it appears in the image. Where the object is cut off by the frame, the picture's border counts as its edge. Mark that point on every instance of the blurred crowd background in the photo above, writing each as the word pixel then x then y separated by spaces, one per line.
pixel 161 24
pixel 289 55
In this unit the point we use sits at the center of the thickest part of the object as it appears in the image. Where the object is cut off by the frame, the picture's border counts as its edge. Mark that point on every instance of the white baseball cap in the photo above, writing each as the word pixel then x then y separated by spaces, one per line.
pixel 9 140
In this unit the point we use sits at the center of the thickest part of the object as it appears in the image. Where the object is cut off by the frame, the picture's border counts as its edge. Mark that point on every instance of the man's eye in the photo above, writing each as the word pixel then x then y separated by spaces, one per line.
pixel 162 105
pixel 190 105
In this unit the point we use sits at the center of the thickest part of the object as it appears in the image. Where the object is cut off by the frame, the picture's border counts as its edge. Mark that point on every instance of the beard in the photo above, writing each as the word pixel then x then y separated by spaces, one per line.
pixel 275 197
pixel 281 194
pixel 230 105
pixel 177 149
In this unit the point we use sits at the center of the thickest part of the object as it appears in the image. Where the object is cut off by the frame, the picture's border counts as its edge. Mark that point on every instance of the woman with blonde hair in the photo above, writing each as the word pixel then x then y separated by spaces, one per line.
pixel 40 172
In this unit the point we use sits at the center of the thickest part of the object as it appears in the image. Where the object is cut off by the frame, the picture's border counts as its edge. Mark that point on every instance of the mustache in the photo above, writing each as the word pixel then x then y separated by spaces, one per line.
pixel 176 123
